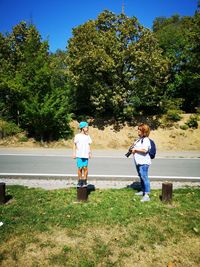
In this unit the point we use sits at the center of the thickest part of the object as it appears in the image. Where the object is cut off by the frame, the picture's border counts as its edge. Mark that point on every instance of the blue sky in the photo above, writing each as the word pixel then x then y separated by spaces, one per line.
pixel 54 19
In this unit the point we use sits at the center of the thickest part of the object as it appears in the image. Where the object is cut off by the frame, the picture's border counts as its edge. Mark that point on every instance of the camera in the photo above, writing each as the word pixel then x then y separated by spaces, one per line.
pixel 129 151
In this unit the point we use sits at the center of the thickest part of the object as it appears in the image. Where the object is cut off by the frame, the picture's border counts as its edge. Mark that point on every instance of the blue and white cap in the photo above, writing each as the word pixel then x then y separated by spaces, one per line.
pixel 83 124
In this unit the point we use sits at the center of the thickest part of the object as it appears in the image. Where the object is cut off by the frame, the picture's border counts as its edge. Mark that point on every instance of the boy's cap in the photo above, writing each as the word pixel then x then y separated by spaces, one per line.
pixel 83 124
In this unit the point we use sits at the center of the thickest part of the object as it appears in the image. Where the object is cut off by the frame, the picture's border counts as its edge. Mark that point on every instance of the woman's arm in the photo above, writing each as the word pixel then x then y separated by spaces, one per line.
pixel 143 148
pixel 139 150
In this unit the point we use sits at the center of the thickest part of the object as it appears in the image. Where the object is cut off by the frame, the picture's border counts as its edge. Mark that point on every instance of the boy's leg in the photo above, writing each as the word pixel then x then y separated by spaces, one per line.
pixel 80 181
pixel 80 172
pixel 82 164
pixel 85 171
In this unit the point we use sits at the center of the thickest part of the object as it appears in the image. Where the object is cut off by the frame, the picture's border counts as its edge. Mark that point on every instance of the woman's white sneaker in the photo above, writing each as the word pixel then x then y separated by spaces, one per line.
pixel 145 198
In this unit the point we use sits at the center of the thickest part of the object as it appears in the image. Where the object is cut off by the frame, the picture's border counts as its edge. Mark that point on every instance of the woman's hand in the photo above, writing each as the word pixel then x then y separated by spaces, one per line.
pixel 133 151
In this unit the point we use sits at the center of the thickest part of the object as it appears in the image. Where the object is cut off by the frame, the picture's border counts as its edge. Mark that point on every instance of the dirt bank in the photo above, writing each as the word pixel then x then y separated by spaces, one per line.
pixel 120 136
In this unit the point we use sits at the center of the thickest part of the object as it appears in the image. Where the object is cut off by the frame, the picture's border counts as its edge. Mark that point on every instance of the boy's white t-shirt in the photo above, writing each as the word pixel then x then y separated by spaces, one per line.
pixel 82 142
pixel 142 158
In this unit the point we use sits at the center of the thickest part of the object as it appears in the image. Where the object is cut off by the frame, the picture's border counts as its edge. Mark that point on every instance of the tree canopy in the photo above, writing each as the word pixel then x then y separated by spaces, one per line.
pixel 116 65
pixel 113 66
pixel 179 39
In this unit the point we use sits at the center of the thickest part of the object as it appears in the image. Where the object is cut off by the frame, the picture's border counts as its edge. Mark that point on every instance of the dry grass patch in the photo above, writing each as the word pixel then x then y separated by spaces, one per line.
pixel 45 228
pixel 99 247
pixel 119 136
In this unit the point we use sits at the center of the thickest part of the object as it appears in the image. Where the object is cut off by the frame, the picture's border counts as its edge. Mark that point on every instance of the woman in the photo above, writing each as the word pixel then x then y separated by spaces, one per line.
pixel 142 160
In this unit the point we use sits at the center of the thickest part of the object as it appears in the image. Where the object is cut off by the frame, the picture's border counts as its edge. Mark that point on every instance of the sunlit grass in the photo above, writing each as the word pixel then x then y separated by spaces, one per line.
pixel 49 228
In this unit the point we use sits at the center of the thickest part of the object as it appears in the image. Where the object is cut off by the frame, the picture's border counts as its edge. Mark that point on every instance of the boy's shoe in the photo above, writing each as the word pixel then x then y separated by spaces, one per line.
pixel 84 183
pixel 139 193
pixel 145 198
pixel 80 183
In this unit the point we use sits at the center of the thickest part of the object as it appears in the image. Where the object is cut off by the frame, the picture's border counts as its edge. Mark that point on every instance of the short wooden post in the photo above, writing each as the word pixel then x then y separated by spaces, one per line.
pixel 82 194
pixel 167 192
pixel 2 193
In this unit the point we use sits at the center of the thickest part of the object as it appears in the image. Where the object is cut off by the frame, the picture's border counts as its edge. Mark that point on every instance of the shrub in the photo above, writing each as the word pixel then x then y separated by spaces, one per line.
pixel 8 129
pixel 198 110
pixel 184 127
pixel 193 121
pixel 168 119
pixel 173 115
pixel 23 138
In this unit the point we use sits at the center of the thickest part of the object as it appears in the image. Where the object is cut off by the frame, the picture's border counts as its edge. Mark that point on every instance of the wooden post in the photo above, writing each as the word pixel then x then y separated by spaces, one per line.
pixel 82 194
pixel 167 192
pixel 2 193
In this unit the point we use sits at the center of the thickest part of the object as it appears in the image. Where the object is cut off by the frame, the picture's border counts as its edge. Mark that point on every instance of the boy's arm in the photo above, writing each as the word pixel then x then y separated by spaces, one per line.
pixel 90 152
pixel 74 151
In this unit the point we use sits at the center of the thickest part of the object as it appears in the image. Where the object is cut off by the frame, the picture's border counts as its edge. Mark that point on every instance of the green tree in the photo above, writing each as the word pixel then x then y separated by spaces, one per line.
pixel 5 74
pixel 191 71
pixel 24 59
pixel 34 90
pixel 179 39
pixel 114 65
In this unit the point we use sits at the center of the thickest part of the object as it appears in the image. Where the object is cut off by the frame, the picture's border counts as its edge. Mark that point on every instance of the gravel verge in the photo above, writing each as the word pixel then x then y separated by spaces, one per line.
pixel 52 184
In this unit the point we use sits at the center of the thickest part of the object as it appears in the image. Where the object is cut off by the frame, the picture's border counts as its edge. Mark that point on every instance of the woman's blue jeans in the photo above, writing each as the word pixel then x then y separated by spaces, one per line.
pixel 144 178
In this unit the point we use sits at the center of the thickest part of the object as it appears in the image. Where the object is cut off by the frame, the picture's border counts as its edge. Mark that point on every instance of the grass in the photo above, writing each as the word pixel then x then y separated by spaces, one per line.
pixel 48 228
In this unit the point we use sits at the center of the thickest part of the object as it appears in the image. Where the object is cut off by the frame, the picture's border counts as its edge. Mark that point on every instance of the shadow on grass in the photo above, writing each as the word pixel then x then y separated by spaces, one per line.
pixel 90 188
pixel 6 199
pixel 135 186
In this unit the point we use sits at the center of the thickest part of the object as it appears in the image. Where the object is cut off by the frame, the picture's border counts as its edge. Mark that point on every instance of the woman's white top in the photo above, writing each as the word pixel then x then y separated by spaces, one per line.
pixel 139 157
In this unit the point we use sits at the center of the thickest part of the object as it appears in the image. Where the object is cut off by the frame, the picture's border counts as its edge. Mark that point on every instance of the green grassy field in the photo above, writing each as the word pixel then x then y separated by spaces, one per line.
pixel 49 228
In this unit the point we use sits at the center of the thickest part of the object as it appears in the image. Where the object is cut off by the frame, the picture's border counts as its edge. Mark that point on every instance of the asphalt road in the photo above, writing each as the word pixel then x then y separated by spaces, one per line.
pixel 56 163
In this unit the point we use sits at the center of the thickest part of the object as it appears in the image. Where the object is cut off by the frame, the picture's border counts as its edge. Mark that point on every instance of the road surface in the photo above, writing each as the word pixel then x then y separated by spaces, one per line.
pixel 110 164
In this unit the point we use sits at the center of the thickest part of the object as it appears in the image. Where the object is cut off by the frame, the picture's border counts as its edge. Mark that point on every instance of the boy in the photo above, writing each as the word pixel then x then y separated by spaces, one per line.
pixel 81 151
